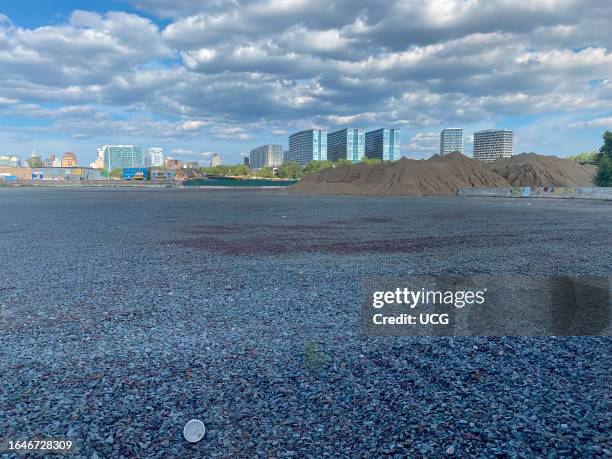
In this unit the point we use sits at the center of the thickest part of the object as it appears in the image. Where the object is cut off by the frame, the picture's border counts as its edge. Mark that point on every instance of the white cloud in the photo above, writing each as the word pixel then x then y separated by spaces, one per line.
pixel 605 122
pixel 182 152
pixel 230 133
pixel 193 125
pixel 271 66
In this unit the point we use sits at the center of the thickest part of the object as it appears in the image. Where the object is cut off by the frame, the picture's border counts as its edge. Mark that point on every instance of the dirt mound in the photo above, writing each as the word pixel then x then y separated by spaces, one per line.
pixel 436 176
pixel 530 169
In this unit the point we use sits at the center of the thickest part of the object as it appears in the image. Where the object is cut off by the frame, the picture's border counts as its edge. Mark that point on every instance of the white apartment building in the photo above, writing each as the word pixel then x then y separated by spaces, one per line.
pixel 216 160
pixel 154 157
pixel 9 161
pixel 451 139
pixel 492 144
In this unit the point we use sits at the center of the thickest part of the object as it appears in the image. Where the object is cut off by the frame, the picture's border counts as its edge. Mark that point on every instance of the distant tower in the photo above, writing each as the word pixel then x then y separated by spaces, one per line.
pixel 306 146
pixel 215 160
pixel 451 140
pixel 270 155
pixel 69 159
pixel 347 144
pixel 492 144
pixel 154 157
pixel 383 144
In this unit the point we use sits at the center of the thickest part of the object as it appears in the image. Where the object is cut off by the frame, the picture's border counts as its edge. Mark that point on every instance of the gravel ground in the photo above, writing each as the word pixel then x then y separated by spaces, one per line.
pixel 125 313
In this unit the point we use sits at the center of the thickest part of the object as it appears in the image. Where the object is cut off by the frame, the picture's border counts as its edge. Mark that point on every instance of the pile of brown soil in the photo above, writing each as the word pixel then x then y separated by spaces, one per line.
pixel 530 169
pixel 436 176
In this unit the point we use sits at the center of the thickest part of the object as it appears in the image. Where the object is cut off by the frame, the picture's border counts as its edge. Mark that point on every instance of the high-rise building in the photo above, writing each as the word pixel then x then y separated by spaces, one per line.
pixel 451 140
pixel 154 157
pixel 492 144
pixel 69 159
pixel 306 146
pixel 10 161
pixel 215 160
pixel 348 143
pixel 285 156
pixel 383 144
pixel 270 155
pixel 247 161
pixel 192 165
pixel 99 162
pixel 122 156
pixel 49 161
pixel 173 164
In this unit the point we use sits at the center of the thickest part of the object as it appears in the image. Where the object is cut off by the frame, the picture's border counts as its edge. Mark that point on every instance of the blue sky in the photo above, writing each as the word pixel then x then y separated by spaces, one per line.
pixel 202 76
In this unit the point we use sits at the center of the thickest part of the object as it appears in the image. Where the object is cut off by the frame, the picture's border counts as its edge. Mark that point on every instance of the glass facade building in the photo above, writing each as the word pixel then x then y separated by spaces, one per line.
pixel 306 146
pixel 346 143
pixel 383 144
pixel 270 155
pixel 451 139
pixel 492 144
pixel 122 156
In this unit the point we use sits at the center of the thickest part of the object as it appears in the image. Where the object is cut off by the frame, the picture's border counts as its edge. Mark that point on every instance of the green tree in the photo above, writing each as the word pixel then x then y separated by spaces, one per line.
pixel 585 156
pixel 265 172
pixel 371 161
pixel 344 162
pixel 603 177
pixel 240 169
pixel 116 173
pixel 606 149
pixel 226 170
pixel 315 166
pixel 290 170
pixel 35 161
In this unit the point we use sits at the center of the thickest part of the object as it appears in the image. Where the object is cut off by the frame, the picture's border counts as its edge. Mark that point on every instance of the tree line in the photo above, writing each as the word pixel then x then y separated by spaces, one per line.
pixel 287 170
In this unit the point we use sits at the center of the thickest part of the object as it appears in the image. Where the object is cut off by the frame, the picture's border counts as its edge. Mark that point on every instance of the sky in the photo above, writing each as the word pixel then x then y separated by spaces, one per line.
pixel 202 76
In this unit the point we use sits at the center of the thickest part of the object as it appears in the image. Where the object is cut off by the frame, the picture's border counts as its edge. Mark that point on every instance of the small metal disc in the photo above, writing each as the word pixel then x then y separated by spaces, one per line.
pixel 194 431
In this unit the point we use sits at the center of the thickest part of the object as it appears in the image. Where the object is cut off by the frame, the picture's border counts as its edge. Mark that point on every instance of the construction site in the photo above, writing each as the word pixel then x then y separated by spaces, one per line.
pixel 444 175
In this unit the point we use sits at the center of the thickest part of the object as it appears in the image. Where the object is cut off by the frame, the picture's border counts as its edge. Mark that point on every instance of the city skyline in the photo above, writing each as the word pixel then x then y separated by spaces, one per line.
pixel 184 77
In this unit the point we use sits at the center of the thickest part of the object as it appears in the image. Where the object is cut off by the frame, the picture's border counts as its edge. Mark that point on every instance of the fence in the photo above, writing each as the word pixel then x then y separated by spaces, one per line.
pixel 91 183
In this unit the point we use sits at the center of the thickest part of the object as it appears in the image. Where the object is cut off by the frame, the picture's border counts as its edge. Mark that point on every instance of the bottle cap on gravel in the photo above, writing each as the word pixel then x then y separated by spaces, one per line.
pixel 194 431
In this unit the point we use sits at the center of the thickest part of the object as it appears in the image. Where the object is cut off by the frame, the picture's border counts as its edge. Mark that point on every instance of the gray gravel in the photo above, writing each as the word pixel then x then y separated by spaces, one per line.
pixel 126 313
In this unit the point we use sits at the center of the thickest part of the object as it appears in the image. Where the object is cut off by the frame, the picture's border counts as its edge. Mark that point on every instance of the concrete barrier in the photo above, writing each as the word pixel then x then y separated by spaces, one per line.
pixel 485 192
pixel 551 192
pixel 594 193
pixel 555 192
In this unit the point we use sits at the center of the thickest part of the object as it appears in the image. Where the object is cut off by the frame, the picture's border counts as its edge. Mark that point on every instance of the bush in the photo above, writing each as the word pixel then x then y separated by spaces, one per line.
pixel 224 170
pixel 265 172
pixel 603 177
pixel 315 166
pixel 585 156
pixel 344 162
